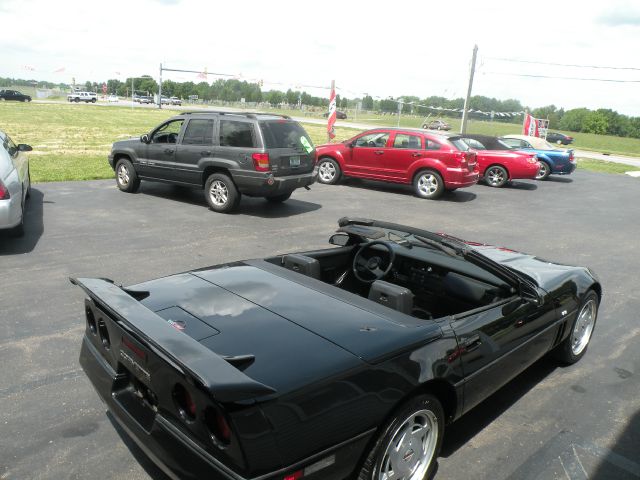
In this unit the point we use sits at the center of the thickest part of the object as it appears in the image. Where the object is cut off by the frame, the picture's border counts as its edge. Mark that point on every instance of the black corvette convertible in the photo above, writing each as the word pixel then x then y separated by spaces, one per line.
pixel 345 362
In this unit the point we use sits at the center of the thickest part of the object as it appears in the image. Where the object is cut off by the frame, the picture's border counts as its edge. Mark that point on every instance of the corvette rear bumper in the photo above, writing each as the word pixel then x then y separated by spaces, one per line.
pixel 181 458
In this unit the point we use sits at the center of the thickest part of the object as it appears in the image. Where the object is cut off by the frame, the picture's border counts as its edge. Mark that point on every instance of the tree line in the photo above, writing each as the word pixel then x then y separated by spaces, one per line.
pixel 600 121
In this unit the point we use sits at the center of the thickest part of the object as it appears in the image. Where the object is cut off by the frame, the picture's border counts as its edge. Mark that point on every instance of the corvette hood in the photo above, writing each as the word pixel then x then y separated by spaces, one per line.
pixel 294 331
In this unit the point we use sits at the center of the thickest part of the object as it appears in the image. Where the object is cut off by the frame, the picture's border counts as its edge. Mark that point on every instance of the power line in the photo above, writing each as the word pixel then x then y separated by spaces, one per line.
pixel 515 60
pixel 614 80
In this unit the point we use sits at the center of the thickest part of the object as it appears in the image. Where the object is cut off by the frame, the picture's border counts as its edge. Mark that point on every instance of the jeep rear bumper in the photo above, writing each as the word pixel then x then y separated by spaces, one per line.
pixel 264 184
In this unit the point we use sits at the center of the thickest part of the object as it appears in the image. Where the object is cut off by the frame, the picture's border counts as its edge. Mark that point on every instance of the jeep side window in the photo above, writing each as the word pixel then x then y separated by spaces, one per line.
pixel 198 132
pixel 168 133
pixel 236 134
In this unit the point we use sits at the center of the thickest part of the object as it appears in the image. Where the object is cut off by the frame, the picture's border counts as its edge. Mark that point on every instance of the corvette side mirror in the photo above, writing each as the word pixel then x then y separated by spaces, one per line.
pixel 339 239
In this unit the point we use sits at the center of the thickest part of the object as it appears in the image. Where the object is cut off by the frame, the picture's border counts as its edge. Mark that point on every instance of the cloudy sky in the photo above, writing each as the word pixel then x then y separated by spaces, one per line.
pixel 381 48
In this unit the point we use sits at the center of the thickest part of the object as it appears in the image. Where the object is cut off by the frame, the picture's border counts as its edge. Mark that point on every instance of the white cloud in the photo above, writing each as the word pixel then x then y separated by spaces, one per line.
pixel 381 48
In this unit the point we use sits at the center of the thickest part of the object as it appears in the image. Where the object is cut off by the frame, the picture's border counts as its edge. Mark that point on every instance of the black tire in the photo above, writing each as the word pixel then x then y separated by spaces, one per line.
pixel 76 99
pixel 329 171
pixel 428 184
pixel 496 176
pixel 544 172
pixel 93 100
pixel 279 198
pixel 126 176
pixel 423 407
pixel 29 187
pixel 425 126
pixel 221 193
pixel 575 345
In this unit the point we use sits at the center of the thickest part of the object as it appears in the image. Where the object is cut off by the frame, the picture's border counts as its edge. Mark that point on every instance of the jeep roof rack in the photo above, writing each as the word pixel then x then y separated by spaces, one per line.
pixel 244 114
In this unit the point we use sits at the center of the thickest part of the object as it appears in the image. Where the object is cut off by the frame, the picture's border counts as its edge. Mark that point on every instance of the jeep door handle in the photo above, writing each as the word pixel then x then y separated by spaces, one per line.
pixel 168 151
pixel 378 152
pixel 205 153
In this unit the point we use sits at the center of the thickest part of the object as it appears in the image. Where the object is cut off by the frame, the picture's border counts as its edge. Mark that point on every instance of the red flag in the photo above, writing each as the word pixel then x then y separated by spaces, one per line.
pixel 60 70
pixel 331 119
pixel 530 126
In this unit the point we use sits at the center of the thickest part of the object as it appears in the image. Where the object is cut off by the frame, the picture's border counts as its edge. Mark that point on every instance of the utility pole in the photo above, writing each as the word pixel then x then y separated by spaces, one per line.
pixel 160 89
pixel 465 115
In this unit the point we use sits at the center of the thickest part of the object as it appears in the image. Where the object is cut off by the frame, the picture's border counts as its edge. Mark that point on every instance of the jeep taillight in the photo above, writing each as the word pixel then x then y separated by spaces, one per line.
pixel 4 193
pixel 261 162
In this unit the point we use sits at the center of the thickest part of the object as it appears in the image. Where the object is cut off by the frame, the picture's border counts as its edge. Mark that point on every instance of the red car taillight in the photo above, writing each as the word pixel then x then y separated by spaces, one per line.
pixel 261 162
pixel 4 193
pixel 533 159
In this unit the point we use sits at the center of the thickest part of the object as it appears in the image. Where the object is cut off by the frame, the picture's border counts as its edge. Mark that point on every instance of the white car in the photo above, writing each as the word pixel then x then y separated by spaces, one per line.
pixel 113 98
pixel 15 184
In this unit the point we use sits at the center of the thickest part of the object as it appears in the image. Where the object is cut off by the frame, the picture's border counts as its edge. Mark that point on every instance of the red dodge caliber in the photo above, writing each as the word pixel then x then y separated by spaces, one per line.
pixel 429 162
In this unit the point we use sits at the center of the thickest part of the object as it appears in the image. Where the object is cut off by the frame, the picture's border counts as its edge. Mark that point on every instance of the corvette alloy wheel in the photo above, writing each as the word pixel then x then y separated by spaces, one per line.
pixel 496 176
pixel 544 171
pixel 583 327
pixel 411 448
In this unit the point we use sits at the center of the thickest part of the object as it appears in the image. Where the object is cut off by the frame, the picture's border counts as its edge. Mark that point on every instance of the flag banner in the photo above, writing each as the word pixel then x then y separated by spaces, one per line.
pixel 530 126
pixel 331 119
pixel 60 70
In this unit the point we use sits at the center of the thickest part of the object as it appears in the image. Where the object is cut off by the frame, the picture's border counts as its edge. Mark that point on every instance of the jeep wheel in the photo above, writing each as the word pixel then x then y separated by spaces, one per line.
pixel 221 193
pixel 126 176
pixel 93 100
pixel 279 198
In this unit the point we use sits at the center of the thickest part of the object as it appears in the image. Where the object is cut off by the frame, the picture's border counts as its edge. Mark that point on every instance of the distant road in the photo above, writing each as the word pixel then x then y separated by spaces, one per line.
pixel 632 161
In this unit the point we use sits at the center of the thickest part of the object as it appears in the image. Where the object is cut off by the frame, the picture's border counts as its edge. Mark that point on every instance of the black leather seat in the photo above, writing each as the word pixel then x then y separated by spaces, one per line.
pixel 302 264
pixel 392 296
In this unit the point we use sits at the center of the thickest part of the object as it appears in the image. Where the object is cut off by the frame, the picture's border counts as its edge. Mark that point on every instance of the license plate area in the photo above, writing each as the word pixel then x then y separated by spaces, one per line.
pixel 137 399
pixel 294 161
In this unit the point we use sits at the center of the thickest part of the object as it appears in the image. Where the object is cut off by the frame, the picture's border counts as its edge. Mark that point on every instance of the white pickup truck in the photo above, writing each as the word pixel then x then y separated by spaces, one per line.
pixel 82 97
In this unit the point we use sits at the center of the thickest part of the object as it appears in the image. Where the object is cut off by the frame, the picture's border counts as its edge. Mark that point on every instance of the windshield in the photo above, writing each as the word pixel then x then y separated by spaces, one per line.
pixel 285 134
pixel 459 144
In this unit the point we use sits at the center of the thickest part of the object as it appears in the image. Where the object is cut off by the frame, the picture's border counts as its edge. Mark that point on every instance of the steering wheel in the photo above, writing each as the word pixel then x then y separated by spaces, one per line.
pixel 373 266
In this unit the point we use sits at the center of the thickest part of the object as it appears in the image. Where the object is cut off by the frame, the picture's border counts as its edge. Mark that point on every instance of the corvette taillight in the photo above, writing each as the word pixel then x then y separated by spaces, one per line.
pixel 261 162
pixel 184 402
pixel 218 426
pixel 4 193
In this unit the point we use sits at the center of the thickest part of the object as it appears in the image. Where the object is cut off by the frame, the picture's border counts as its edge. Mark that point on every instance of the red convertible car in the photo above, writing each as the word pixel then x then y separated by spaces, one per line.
pixel 428 161
pixel 497 165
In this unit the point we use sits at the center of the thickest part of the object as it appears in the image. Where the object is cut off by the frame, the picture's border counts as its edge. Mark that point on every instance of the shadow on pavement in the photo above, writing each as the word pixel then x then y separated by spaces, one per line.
pixel 33 227
pixel 254 206
pixel 145 462
pixel 559 179
pixel 515 185
pixel 468 426
pixel 458 196
pixel 622 461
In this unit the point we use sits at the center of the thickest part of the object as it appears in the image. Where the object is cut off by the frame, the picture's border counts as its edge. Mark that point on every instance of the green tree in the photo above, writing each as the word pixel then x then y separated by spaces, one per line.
pixel 573 119
pixel 367 102
pixel 595 122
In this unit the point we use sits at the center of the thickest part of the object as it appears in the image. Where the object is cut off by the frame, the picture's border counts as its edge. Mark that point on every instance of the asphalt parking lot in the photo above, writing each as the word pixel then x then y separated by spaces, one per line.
pixel 577 422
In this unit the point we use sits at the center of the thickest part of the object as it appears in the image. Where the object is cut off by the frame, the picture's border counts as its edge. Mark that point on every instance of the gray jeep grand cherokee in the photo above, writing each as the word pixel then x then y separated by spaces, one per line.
pixel 227 154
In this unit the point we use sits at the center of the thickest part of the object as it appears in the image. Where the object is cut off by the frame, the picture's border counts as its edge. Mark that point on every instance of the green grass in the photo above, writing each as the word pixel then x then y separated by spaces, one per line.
pixel 72 141
pixel 603 167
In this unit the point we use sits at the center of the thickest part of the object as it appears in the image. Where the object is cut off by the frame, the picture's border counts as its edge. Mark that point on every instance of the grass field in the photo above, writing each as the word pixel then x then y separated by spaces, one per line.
pixel 72 141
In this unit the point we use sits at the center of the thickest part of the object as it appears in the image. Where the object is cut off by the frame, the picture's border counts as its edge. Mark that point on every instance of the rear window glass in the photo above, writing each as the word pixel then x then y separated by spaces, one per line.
pixel 459 144
pixel 236 134
pixel 285 134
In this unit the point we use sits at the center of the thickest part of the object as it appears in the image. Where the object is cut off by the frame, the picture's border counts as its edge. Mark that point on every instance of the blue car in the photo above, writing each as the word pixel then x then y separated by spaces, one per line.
pixel 558 161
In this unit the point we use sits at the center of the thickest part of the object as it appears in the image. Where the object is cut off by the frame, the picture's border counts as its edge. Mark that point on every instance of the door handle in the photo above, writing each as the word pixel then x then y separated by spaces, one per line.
pixel 168 151
pixel 416 154
pixel 378 152
pixel 205 153
pixel 472 343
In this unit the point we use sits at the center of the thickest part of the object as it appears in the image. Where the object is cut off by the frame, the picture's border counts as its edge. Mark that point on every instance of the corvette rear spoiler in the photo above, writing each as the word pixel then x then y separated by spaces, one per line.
pixel 224 382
